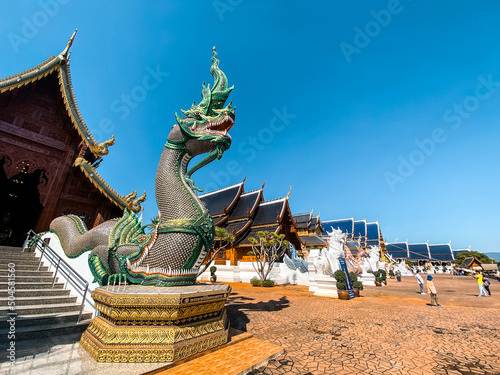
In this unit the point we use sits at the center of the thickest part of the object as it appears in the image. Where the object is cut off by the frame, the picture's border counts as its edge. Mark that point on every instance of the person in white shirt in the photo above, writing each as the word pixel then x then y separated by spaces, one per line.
pixel 420 282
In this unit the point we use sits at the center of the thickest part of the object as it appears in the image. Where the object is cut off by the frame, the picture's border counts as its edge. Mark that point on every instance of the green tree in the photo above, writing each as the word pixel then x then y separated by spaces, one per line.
pixel 267 248
pixel 483 258
pixel 222 239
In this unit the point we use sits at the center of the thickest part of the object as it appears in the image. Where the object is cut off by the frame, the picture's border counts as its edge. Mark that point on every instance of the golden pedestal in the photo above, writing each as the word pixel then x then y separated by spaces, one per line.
pixel 156 324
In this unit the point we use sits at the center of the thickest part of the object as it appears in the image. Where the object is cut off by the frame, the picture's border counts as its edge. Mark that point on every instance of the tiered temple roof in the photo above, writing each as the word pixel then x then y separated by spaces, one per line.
pixel 310 229
pixel 220 203
pixel 245 213
pixel 41 126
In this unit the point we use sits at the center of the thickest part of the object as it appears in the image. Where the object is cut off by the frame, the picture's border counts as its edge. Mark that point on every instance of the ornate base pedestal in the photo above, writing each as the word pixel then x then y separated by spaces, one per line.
pixel 154 324
pixel 326 287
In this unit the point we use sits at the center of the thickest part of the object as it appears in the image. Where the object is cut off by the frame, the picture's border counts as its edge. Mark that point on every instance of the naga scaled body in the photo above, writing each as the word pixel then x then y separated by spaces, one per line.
pixel 184 232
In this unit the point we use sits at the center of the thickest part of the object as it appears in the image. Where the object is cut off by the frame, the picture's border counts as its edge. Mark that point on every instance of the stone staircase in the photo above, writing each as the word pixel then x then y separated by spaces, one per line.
pixel 43 309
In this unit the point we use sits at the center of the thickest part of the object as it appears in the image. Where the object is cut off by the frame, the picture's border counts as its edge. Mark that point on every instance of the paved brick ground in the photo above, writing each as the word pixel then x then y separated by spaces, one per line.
pixel 389 330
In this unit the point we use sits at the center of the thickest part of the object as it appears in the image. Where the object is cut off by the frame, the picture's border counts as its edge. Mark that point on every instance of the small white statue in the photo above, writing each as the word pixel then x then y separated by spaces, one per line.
pixel 328 258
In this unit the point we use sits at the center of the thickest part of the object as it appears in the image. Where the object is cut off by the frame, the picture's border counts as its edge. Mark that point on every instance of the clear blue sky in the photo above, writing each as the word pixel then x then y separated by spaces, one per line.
pixel 377 109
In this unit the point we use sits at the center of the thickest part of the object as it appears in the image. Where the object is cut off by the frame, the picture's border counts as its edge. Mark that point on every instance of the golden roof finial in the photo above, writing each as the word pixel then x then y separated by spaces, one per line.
pixel 101 149
pixel 134 205
pixel 65 52
pixel 288 194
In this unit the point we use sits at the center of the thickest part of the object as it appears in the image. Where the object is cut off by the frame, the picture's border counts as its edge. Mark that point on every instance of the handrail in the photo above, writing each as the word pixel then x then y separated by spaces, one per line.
pixel 61 266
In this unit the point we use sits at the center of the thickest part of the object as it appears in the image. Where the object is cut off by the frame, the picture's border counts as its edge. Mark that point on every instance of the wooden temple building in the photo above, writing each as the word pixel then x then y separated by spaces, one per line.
pixel 48 157
pixel 310 230
pixel 244 214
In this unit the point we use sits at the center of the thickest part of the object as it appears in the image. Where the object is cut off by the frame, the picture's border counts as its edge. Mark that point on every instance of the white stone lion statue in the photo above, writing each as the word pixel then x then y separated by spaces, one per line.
pixel 328 258
pixel 369 259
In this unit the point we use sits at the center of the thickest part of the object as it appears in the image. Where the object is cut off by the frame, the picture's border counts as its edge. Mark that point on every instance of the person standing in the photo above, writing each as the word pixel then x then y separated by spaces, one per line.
pixel 420 281
pixel 431 289
pixel 398 275
pixel 486 285
pixel 479 279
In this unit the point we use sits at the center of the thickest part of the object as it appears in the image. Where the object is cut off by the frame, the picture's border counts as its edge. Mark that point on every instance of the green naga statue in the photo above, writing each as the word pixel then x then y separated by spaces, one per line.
pixel 120 249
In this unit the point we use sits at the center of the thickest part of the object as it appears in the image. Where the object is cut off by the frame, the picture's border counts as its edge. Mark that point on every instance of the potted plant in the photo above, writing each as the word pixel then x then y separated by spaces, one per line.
pixel 341 284
pixel 391 274
pixel 357 286
pixel 378 278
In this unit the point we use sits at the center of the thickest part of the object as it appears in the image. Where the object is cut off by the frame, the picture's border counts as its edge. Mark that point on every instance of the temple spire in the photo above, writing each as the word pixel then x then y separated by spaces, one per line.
pixel 70 42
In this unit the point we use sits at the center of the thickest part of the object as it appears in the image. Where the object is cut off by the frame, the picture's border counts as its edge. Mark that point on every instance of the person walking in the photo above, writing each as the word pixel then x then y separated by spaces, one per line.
pixel 479 279
pixel 431 289
pixel 420 281
pixel 398 275
pixel 486 285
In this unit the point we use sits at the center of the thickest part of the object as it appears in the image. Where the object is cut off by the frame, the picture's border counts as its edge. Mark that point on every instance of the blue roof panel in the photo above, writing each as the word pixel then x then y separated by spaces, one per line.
pixel 418 251
pixel 441 252
pixel 345 225
pixel 397 249
pixel 442 257
pixel 360 228
pixel 372 231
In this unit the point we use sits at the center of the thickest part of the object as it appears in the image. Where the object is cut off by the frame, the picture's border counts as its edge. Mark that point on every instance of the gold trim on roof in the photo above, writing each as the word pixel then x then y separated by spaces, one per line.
pixel 99 182
pixel 66 88
pixel 61 64
pixel 29 76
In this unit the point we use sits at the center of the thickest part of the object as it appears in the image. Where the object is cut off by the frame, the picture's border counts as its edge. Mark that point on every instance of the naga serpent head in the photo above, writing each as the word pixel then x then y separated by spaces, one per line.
pixel 204 127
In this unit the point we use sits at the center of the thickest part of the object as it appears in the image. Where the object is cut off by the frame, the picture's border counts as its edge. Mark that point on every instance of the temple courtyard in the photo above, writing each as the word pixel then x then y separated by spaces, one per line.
pixel 389 330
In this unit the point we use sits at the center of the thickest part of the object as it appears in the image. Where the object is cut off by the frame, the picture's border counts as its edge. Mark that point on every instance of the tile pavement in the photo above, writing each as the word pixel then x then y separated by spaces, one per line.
pixel 389 330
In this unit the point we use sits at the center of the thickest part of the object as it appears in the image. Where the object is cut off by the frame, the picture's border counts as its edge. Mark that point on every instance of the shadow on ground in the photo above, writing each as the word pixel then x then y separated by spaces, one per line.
pixel 33 347
pixel 237 305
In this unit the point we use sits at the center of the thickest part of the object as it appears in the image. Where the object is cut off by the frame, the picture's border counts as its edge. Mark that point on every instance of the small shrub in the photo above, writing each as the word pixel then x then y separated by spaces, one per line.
pixel 391 273
pixel 213 276
pixel 340 275
pixel 383 274
pixel 353 277
pixel 357 285
pixel 267 283
pixel 378 279
pixel 256 281
pixel 341 285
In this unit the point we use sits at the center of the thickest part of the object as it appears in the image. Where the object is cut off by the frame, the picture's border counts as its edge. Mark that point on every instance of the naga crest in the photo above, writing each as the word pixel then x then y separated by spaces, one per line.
pixel 209 120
